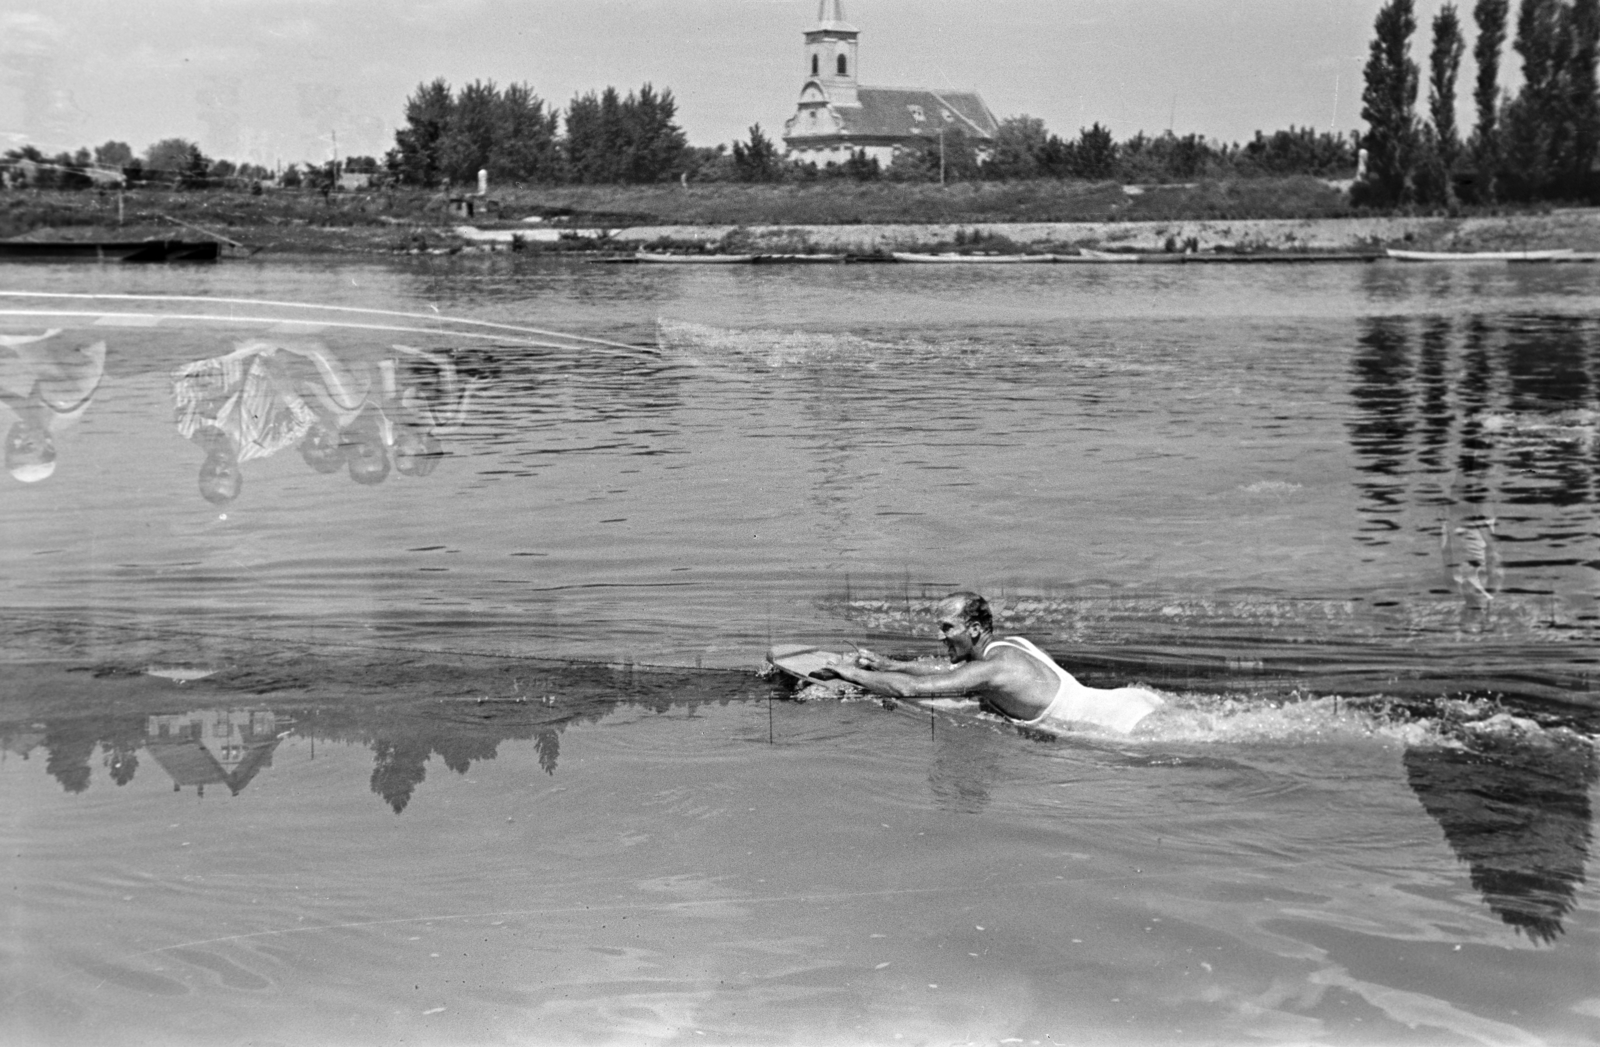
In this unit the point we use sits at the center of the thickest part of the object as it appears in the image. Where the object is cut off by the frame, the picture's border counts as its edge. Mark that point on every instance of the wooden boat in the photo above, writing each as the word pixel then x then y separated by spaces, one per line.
pixel 1555 255
pixel 110 250
pixel 951 256
pixel 695 259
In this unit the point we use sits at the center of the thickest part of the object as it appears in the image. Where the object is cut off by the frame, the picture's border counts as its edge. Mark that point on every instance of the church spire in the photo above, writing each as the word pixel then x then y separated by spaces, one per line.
pixel 830 15
pixel 831 50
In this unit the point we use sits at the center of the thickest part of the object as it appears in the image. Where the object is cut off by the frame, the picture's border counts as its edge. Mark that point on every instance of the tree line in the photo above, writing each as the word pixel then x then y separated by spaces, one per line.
pixel 1024 149
pixel 1539 144
pixel 449 137
pixel 175 162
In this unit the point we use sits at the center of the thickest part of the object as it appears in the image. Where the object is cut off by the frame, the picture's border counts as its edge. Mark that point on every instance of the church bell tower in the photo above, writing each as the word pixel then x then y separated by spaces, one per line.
pixel 831 54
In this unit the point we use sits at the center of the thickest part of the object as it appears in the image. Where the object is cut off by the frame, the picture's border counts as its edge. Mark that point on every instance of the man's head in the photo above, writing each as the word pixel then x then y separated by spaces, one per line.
pixel 365 456
pixel 220 477
pixel 965 624
pixel 322 449
pixel 30 452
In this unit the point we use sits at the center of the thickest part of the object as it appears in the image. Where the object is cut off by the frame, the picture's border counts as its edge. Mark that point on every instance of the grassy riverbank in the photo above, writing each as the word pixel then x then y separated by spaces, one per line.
pixel 1252 214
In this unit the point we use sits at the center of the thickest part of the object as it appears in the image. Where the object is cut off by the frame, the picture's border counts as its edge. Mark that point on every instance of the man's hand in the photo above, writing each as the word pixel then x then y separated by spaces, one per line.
pixel 866 659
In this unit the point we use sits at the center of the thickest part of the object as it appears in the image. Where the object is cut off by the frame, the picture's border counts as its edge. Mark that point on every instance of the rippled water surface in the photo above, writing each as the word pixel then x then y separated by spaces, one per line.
pixel 382 645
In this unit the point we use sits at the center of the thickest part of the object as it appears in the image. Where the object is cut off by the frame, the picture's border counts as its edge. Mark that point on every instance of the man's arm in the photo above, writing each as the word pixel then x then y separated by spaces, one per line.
pixel 969 678
pixel 866 659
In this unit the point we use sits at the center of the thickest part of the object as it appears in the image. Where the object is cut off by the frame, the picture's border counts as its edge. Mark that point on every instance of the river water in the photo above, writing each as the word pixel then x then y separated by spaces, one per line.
pixel 381 665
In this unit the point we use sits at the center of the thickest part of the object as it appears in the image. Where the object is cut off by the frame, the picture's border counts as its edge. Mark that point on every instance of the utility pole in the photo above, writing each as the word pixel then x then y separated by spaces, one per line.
pixel 941 155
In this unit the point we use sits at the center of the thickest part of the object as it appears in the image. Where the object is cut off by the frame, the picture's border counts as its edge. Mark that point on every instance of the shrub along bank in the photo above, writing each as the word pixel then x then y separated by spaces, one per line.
pixel 409 220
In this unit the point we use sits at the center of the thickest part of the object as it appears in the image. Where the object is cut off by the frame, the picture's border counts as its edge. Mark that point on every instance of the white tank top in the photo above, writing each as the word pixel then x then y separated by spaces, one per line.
pixel 1118 708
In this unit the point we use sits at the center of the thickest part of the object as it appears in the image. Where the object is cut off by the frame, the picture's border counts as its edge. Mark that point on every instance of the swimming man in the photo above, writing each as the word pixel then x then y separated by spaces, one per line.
pixel 1008 674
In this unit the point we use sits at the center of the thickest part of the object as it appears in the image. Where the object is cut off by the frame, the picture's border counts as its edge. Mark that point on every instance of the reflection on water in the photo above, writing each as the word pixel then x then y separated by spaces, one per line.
pixel 47 381
pixel 211 746
pixel 1514 805
pixel 1456 419
pixel 1511 796
pixel 358 415
pixel 475 712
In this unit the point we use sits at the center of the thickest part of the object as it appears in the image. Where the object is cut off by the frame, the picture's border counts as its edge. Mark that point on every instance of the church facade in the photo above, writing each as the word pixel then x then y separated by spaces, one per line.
pixel 838 117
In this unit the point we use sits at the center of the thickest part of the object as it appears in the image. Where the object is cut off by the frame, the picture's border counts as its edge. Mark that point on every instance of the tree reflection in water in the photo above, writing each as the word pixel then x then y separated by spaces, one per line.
pixel 1514 805
pixel 229 745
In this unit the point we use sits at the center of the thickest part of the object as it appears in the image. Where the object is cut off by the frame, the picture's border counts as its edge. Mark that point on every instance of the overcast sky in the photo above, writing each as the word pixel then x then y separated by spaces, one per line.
pixel 269 80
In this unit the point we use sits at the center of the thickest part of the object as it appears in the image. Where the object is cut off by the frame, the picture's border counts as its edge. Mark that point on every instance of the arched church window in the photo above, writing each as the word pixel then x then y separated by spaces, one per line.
pixel 815 65
pixel 844 65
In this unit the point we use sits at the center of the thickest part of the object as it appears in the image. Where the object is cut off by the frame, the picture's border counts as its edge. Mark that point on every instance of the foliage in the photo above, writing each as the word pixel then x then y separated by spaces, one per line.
pixel 1550 131
pixel 1019 149
pixel 1093 155
pixel 1490 16
pixel 1444 65
pixel 759 161
pixel 113 154
pixel 450 138
pixel 1441 145
pixel 860 167
pixel 614 139
pixel 1300 150
pixel 415 158
pixel 175 156
pixel 1387 107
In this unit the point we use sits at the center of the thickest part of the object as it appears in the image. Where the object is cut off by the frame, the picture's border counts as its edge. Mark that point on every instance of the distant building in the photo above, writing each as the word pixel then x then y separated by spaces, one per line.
pixel 837 117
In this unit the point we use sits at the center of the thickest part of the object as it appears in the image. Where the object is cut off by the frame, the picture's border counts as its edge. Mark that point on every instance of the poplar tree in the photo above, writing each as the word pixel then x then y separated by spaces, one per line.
pixel 1490 16
pixel 1388 106
pixel 1443 145
pixel 1583 95
pixel 1444 67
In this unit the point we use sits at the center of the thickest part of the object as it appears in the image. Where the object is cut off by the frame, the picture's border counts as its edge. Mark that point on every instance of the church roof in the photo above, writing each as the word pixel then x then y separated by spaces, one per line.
pixel 892 112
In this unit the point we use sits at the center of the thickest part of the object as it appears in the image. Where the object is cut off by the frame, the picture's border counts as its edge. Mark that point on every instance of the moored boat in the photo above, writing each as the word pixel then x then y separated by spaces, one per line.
pixel 110 250
pixel 956 257
pixel 1554 255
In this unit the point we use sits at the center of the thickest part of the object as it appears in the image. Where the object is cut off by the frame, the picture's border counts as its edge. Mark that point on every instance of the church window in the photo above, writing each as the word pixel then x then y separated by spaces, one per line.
pixel 843 65
pixel 815 65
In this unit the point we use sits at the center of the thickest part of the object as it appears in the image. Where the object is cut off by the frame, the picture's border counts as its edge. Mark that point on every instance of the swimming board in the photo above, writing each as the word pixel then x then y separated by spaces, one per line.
pixel 801 663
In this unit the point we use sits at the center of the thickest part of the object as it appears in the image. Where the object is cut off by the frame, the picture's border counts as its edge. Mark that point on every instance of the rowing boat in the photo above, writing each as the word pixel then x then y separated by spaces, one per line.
pixel 952 256
pixel 1554 255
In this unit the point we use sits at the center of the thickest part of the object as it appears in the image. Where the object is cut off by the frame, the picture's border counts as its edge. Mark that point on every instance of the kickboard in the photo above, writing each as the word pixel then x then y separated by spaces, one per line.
pixel 800 661
pixel 799 664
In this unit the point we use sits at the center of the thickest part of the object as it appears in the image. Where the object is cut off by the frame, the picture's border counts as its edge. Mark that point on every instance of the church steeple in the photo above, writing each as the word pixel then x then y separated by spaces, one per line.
pixel 831 53
pixel 830 15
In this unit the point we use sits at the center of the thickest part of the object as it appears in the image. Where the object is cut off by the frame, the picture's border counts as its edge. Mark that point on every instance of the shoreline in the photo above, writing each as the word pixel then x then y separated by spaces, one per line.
pixel 1576 229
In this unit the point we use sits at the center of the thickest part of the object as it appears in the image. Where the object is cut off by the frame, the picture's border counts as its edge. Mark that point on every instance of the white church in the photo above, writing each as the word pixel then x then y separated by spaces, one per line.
pixel 838 117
